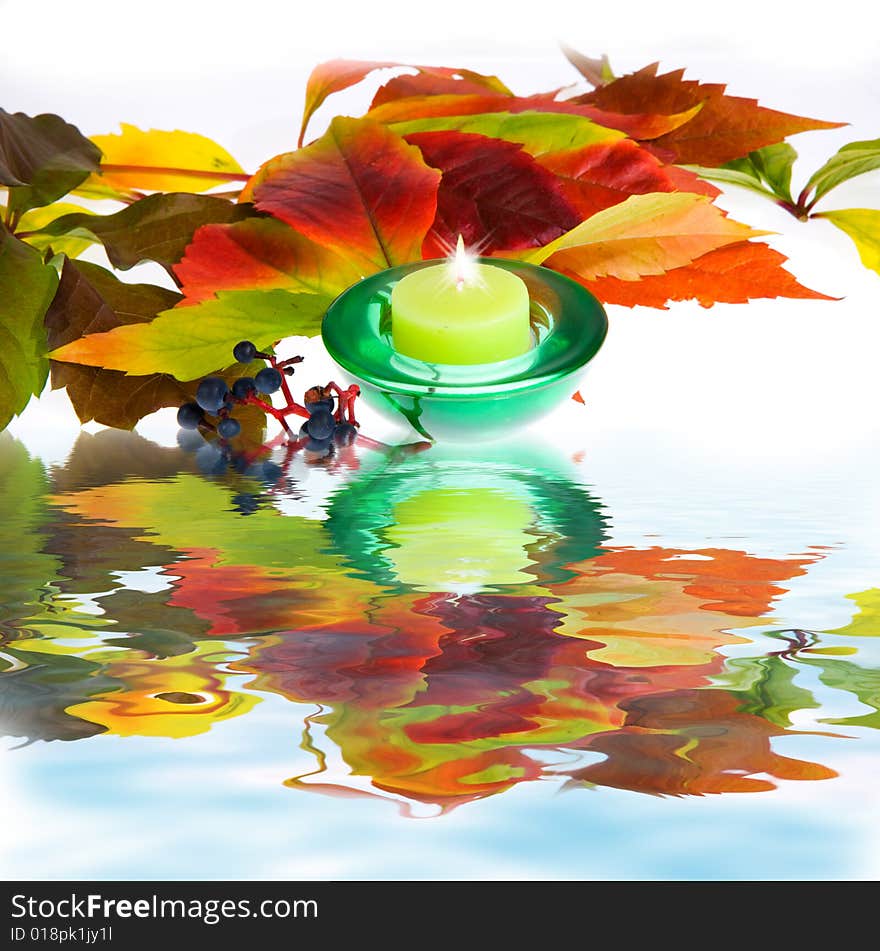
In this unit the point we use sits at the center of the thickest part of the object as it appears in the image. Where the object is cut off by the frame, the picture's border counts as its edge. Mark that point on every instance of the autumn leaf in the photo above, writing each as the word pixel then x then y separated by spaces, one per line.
pixel 157 228
pixel 435 82
pixel 158 160
pixel 725 128
pixel 32 223
pixel 359 190
pixel 260 253
pixel 597 72
pixel 28 287
pixel 646 234
pixel 91 300
pixel 190 342
pixel 733 274
pixel 854 159
pixel 338 74
pixel 863 226
pixel 638 126
pixel 492 193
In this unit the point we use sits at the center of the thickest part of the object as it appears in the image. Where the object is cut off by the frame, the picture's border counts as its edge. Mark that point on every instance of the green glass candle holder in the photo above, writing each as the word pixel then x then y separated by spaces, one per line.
pixel 461 403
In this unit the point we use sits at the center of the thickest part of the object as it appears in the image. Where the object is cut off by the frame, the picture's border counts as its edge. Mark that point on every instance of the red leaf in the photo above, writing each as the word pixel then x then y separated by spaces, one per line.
pixel 732 275
pixel 359 190
pixel 725 128
pixel 434 82
pixel 264 254
pixel 637 126
pixel 492 193
pixel 339 74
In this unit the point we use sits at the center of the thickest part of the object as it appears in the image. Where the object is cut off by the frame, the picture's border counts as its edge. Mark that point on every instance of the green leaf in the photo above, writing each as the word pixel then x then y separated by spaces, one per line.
pixel 42 158
pixel 852 160
pixel 862 682
pixel 773 163
pixel 26 290
pixel 863 226
pixel 189 342
pixel 537 132
pixel 157 228
pixel 772 693
pixel 738 172
pixel 32 223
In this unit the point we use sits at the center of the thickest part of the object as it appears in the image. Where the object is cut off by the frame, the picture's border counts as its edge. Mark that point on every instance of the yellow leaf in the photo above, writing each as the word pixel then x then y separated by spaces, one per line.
pixel 646 234
pixel 158 160
pixel 863 226
pixel 36 219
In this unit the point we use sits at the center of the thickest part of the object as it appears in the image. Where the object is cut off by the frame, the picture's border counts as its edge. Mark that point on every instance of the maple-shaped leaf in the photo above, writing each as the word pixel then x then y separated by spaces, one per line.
pixel 599 176
pixel 91 300
pixel 338 74
pixel 27 286
pixel 733 274
pixel 638 126
pixel 190 342
pixel 646 234
pixel 725 128
pixel 492 193
pixel 360 189
pixel 159 160
pixel 156 228
pixel 260 253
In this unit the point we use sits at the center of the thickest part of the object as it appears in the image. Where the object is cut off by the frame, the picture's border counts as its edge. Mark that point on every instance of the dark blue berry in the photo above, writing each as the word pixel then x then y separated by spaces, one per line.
pixel 211 460
pixel 190 440
pixel 211 393
pixel 321 423
pixel 246 503
pixel 319 404
pixel 345 434
pixel 228 428
pixel 243 387
pixel 190 415
pixel 244 351
pixel 318 445
pixel 268 380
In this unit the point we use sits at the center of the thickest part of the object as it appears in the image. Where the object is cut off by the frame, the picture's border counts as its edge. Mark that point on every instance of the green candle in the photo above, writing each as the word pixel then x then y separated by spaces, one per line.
pixel 460 312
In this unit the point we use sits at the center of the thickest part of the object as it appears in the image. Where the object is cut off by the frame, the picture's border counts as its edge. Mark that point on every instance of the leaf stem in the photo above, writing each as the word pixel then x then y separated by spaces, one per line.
pixel 167 170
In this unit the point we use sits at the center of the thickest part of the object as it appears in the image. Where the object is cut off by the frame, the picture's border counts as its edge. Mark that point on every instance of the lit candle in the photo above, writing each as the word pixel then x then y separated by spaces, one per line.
pixel 460 312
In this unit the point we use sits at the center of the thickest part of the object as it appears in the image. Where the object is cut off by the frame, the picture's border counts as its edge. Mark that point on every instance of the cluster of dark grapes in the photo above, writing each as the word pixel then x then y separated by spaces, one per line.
pixel 323 428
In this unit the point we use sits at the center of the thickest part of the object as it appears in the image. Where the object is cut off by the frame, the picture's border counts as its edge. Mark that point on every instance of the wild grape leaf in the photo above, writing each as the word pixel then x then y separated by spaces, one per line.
pixel 599 176
pixel 863 226
pixel 338 74
pixel 597 72
pixel 42 158
pixel 492 193
pixel 725 128
pixel 766 171
pixel 190 342
pixel 432 83
pixel 637 126
pixel 159 160
pixel 359 190
pixel 260 253
pixel 27 286
pixel 852 160
pixel 91 300
pixel 31 225
pixel 156 228
pixel 646 234
pixel 733 274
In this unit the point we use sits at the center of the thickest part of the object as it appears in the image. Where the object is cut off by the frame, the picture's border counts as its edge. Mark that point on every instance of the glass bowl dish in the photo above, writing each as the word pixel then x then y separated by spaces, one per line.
pixel 464 403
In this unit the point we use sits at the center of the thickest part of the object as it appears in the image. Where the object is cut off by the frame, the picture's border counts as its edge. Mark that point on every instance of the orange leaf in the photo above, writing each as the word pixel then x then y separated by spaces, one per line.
pixel 725 128
pixel 359 190
pixel 338 74
pixel 731 275
pixel 264 254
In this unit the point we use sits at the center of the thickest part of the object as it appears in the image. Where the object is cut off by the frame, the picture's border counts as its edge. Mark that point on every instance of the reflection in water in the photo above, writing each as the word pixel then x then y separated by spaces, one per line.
pixel 454 629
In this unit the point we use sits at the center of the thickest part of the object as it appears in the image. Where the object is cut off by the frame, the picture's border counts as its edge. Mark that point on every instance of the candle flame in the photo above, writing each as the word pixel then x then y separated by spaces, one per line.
pixel 461 265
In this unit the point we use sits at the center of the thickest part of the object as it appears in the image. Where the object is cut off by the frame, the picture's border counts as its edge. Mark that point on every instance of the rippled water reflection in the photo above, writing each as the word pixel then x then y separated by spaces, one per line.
pixel 434 632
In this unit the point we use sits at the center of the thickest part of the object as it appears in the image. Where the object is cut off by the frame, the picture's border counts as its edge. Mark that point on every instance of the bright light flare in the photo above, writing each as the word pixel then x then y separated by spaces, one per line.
pixel 462 266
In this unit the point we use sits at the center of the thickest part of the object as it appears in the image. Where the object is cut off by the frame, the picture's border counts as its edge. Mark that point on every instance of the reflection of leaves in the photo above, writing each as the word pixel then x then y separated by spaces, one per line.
pixel 772 694
pixel 862 682
pixel 157 228
pixel 42 158
pixel 26 289
pixel 34 699
pixel 25 568
pixel 867 622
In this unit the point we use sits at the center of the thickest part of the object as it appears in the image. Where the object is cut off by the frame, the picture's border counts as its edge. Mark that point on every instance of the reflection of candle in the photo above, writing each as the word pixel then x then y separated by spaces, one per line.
pixel 460 312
